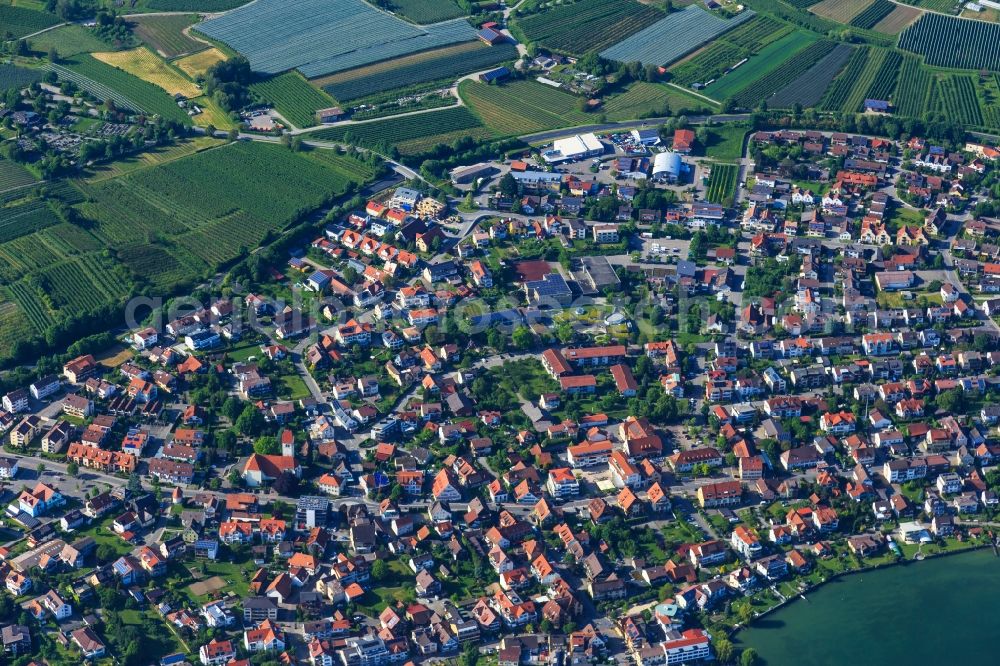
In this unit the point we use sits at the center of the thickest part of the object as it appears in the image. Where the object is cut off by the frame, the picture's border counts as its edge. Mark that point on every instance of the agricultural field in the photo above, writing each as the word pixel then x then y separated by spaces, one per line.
pixel 673 37
pixel 941 6
pixel 885 78
pixel 193 5
pixel 644 100
pixel 196 64
pixel 762 89
pixel 25 218
pixel 841 11
pixel 19 21
pixel 98 90
pixel 68 41
pixel 213 203
pixel 839 91
pixel 522 107
pixel 147 96
pixel 165 34
pixel 897 20
pixel 712 62
pixel 12 76
pixel 955 43
pixel 293 97
pixel 13 175
pixel 449 62
pixel 409 134
pixel 858 89
pixel 427 11
pixel 915 80
pixel 989 95
pixel 872 16
pixel 144 64
pixel 808 88
pixel 955 97
pixel 149 158
pixel 758 66
pixel 320 37
pixel 588 25
pixel 722 184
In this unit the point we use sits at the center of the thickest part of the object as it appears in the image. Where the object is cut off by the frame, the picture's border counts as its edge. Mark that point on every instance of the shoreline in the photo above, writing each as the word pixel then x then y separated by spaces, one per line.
pixel 836 576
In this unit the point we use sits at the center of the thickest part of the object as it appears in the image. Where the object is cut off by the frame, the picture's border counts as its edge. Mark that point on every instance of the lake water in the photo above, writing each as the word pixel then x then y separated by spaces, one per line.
pixel 938 612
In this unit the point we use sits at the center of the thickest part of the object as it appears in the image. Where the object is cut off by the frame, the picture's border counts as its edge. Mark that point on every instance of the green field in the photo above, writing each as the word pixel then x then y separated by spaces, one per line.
pixel 955 97
pixel 914 86
pixel 193 5
pixel 147 96
pixel 293 97
pixel 165 34
pixel 725 142
pixel 19 21
pixel 837 96
pixel 68 41
pixel 427 11
pixel 168 224
pixel 410 134
pixel 13 175
pixel 587 25
pixel 768 59
pixel 762 89
pixel 644 100
pixel 523 107
pixel 722 184
pixel 731 47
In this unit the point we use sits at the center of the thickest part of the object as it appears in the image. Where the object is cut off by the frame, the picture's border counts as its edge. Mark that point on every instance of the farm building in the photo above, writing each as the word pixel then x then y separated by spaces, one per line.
pixel 494 75
pixel 574 148
pixel 668 167
pixel 491 36
pixel 877 106
pixel 468 174
pixel 331 115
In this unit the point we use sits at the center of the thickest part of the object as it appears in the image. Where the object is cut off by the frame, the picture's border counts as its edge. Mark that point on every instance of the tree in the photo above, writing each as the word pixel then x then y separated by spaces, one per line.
pixel 749 657
pixel 380 570
pixel 522 337
pixel 72 469
pixel 267 446
pixel 250 421
pixel 724 650
pixel 350 276
pixel 106 553
pixel 286 484
pixel 508 185
pixel 232 408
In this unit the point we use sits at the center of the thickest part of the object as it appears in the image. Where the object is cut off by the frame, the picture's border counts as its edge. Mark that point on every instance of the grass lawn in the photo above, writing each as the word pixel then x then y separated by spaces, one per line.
pixel 292 387
pixel 102 534
pixel 904 216
pixel 726 142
